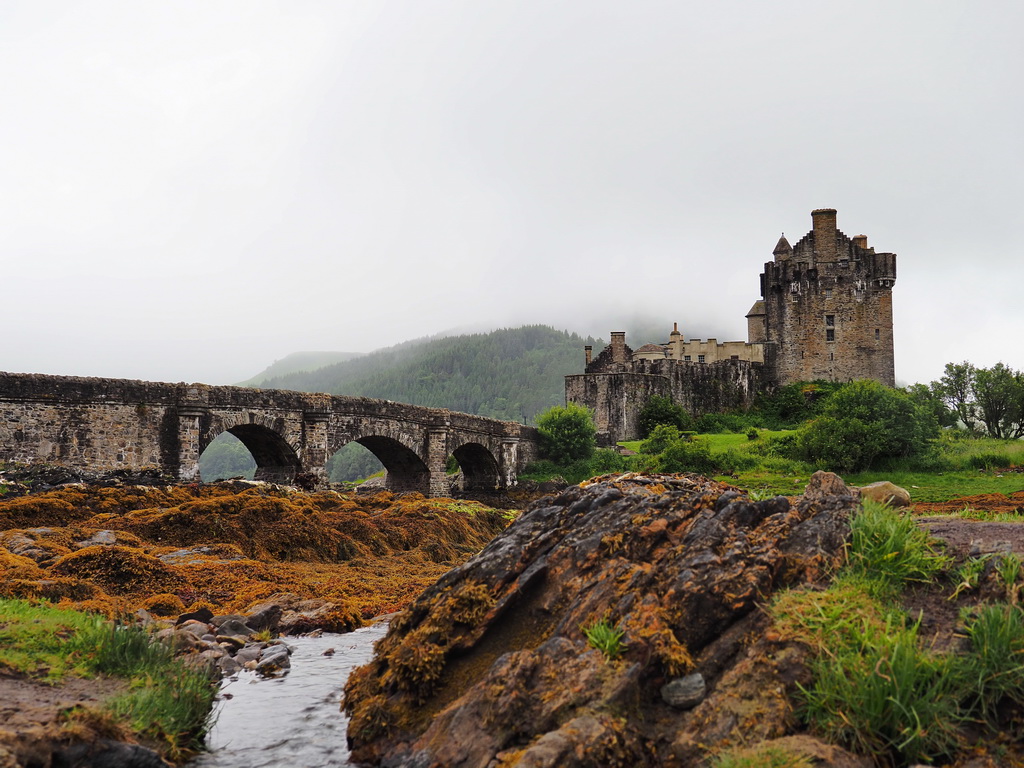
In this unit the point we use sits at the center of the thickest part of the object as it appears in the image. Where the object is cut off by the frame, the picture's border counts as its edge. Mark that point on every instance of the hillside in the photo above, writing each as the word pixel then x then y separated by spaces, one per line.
pixel 512 373
pixel 298 362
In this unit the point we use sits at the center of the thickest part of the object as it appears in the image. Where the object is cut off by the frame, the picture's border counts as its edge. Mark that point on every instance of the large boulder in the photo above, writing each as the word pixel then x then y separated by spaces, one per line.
pixel 492 662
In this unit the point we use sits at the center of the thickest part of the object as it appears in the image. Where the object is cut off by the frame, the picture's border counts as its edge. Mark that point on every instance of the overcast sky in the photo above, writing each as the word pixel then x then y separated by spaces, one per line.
pixel 191 190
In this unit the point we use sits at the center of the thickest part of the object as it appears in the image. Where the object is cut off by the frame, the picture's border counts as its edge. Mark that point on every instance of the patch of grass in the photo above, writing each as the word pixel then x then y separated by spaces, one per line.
pixel 606 638
pixel 970 513
pixel 889 698
pixel 763 756
pixel 1009 570
pixel 891 549
pixel 167 702
pixel 996 672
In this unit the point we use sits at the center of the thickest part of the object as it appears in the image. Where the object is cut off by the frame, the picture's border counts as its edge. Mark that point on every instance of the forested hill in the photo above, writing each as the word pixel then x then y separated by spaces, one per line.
pixel 511 374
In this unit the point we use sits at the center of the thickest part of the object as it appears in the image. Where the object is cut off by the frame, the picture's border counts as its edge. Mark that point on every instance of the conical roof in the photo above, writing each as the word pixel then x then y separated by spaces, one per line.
pixel 783 247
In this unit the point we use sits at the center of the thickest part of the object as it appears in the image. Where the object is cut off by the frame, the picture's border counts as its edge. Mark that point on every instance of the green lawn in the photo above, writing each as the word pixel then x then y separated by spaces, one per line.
pixel 790 477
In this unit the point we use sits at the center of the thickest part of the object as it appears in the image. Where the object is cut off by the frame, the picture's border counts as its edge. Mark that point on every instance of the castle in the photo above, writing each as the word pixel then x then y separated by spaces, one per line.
pixel 825 312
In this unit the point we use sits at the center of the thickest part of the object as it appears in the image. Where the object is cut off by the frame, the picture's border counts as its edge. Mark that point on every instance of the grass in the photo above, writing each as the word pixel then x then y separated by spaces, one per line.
pixel 762 756
pixel 962 467
pixel 166 702
pixel 877 689
pixel 605 638
pixel 891 549
pixel 969 513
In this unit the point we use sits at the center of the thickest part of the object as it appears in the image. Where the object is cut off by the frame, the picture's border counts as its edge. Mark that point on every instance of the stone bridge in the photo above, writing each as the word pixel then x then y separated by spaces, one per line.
pixel 110 424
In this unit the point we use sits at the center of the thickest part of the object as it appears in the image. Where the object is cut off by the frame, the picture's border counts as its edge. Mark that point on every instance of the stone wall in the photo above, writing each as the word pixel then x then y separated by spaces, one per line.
pixel 615 399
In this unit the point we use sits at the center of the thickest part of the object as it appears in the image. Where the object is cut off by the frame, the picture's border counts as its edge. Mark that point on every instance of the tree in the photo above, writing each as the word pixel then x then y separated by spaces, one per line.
pixel 567 434
pixel 660 410
pixel 956 388
pixel 864 422
pixel 999 394
pixel 992 398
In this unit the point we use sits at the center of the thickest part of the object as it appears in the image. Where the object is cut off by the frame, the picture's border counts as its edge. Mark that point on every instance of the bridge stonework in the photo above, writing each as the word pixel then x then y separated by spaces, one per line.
pixel 110 424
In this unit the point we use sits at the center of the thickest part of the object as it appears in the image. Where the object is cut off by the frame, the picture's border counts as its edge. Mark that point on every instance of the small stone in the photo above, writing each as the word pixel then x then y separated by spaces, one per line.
pixel 885 492
pixel 684 692
pixel 234 627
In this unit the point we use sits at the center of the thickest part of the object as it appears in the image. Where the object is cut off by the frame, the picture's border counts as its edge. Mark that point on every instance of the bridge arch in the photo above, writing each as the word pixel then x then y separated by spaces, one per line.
pixel 480 470
pixel 277 459
pixel 406 471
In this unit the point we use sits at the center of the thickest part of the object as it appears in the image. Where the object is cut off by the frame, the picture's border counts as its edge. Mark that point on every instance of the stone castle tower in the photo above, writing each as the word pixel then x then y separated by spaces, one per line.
pixel 827 307
pixel 825 313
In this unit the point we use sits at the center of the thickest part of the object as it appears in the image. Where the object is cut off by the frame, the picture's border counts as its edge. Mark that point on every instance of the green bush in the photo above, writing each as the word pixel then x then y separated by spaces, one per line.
pixel 716 423
pixel 567 433
pixel 863 422
pixel 734 460
pixel 661 437
pixel 688 456
pixel 659 411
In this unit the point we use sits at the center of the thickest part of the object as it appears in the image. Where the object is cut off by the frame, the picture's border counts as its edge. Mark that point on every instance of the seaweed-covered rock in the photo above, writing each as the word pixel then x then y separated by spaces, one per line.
pixel 492 662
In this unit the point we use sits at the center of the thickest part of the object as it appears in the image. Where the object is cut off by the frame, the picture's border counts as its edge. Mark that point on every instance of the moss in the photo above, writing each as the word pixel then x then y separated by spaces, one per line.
pixel 164 604
pixel 117 569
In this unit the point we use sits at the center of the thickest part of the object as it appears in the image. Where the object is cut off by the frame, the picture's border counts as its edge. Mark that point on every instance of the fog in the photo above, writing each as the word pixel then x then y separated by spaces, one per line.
pixel 192 190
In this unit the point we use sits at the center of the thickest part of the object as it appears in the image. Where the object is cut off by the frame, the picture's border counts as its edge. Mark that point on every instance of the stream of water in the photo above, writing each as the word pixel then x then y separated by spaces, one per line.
pixel 294 720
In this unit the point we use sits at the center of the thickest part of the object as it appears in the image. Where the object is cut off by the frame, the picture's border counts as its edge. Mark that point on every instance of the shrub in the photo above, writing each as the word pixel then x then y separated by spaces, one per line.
pixel 566 433
pixel 863 422
pixel 688 456
pixel 658 411
pixel 661 437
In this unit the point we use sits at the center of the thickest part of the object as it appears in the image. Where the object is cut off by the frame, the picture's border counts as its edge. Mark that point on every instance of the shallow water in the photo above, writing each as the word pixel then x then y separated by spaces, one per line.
pixel 293 720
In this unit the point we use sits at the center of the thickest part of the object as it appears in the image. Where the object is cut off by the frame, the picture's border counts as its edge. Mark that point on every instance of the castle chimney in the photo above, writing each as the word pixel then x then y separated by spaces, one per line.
pixel 589 352
pixel 675 329
pixel 619 347
pixel 824 233
pixel 861 241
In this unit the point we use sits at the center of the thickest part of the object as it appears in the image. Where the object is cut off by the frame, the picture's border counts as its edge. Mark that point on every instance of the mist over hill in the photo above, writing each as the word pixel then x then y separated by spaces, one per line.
pixel 511 373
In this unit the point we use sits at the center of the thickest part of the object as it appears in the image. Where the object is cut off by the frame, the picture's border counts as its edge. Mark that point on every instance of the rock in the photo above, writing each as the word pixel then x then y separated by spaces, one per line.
pixel 885 492
pixel 267 618
pixel 203 614
pixel 228 665
pixel 684 692
pixel 108 754
pixel 493 656
pixel 274 659
pixel 100 538
pixel 232 643
pixel 234 626
pixel 250 652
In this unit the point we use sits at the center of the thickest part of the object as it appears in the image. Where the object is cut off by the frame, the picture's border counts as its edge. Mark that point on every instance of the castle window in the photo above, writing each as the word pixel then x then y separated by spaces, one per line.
pixel 830 321
pixel 877 336
pixel 831 356
pixel 700 358
pixel 830 334
pixel 687 358
pixel 828 293
pixel 844 262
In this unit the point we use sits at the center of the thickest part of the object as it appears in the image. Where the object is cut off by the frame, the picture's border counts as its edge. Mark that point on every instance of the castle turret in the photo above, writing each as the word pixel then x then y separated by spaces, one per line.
pixel 783 250
pixel 619 347
pixel 824 233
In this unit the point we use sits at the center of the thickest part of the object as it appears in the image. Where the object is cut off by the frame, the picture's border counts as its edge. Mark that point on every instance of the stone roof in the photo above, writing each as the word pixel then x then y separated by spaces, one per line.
pixel 757 309
pixel 651 348
pixel 782 247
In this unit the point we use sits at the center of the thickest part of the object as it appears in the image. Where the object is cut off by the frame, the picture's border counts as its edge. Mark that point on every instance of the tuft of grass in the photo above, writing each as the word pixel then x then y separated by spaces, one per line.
pixel 762 756
pixel 889 699
pixel 1009 570
pixel 968 575
pixel 996 672
pixel 891 549
pixel 606 638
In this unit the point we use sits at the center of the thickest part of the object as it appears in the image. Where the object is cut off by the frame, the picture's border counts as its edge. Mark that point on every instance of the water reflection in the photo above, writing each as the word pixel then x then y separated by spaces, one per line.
pixel 293 720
